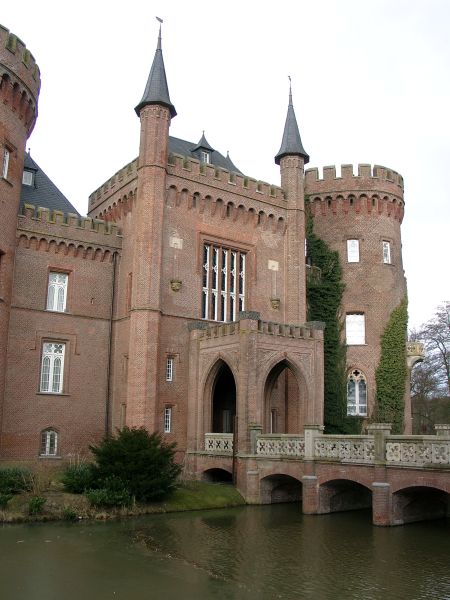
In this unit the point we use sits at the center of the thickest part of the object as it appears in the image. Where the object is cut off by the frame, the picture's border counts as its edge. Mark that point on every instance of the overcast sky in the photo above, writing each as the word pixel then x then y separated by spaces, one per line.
pixel 371 84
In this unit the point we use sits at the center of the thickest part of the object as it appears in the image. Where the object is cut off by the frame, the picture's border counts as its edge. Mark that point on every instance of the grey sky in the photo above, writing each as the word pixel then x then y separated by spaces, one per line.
pixel 371 84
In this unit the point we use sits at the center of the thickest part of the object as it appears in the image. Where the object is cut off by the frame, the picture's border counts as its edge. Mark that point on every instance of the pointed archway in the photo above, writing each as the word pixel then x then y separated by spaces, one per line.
pixel 223 400
pixel 284 400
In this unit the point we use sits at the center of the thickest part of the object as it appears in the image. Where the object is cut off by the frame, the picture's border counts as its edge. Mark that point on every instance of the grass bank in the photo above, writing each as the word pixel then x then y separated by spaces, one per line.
pixel 60 505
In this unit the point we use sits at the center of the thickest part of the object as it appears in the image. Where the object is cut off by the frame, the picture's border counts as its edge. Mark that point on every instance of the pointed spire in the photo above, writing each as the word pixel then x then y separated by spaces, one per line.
pixel 156 91
pixel 291 144
pixel 203 143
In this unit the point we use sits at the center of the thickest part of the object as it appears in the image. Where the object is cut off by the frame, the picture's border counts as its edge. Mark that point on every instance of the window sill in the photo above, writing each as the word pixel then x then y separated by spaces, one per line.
pixel 353 345
pixel 45 457
pixel 59 312
pixel 52 394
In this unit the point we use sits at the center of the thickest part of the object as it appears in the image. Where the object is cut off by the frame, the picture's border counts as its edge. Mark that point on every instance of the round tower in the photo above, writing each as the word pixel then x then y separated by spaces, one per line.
pixel 19 90
pixel 359 215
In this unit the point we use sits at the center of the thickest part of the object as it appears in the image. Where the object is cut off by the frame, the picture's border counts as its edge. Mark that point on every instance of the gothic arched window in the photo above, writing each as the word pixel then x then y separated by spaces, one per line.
pixel 49 442
pixel 356 394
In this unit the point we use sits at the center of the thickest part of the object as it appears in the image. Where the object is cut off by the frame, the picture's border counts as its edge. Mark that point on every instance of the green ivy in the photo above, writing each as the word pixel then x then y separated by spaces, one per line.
pixel 391 372
pixel 324 297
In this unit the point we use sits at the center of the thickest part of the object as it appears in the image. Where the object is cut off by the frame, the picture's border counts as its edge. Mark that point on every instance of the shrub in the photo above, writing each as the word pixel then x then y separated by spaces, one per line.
pixel 142 462
pixel 78 478
pixel 36 505
pixel 107 498
pixel 4 499
pixel 14 480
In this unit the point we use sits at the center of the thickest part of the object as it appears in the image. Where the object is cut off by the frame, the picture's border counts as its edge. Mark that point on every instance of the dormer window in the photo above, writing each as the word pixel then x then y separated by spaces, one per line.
pixel 27 178
pixel 204 157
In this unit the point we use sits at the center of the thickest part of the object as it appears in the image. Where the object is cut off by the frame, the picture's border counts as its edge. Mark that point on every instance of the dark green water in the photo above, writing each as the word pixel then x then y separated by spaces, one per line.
pixel 237 554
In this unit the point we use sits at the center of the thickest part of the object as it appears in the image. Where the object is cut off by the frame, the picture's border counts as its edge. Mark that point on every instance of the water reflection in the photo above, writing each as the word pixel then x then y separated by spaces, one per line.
pixel 254 552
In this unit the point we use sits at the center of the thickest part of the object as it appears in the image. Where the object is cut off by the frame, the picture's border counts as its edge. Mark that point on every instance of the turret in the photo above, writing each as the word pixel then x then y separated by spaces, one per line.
pixel 19 91
pixel 155 111
pixel 292 157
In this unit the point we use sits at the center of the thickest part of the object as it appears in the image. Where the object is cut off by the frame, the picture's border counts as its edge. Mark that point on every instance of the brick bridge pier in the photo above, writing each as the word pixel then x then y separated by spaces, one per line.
pixel 403 478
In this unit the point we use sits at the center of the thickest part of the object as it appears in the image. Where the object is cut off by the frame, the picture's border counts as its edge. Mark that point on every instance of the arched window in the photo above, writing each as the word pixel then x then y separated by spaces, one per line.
pixel 49 443
pixel 356 394
pixel 52 369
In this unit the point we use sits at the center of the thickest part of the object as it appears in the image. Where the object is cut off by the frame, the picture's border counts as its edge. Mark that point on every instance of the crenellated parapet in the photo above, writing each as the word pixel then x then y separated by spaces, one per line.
pixel 20 80
pixel 117 190
pixel 373 190
pixel 45 230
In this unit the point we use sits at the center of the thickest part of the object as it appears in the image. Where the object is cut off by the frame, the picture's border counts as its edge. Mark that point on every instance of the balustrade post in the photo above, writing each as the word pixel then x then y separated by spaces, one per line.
pixel 381 503
pixel 442 430
pixel 310 494
pixel 255 430
pixel 379 431
pixel 311 433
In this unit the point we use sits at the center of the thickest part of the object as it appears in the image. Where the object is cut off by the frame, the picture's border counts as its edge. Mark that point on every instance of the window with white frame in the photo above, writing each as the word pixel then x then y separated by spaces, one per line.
pixel 27 177
pixel 355 329
pixel 223 294
pixel 204 156
pixel 352 251
pixel 52 367
pixel 167 419
pixel 169 369
pixel 386 252
pixel 49 443
pixel 57 291
pixel 356 394
pixel 5 167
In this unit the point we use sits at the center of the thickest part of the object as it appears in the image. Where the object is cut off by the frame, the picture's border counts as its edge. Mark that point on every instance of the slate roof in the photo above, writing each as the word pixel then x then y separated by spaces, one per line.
pixel 291 144
pixel 192 150
pixel 157 91
pixel 43 192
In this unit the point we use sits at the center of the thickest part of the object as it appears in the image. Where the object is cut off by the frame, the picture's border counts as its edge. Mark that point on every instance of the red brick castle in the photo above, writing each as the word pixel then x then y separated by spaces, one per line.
pixel 179 302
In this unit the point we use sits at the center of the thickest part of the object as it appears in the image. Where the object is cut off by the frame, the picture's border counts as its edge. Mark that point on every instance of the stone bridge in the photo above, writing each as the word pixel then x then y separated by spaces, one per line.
pixel 402 478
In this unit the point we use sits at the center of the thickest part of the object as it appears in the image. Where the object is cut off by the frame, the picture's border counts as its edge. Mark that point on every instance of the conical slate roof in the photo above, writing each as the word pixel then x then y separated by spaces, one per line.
pixel 203 143
pixel 291 144
pixel 156 90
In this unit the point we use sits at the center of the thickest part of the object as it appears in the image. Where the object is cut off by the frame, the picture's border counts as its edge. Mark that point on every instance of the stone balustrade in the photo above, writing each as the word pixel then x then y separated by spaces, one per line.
pixel 345 448
pixel 418 451
pixel 280 445
pixel 219 443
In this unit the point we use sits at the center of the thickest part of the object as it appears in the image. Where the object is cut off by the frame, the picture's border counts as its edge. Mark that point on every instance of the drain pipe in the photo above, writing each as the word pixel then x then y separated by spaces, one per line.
pixel 110 354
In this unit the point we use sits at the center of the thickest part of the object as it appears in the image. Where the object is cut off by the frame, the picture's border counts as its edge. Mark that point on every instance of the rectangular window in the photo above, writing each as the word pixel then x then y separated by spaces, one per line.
pixel 223 293
pixel 27 178
pixel 204 157
pixel 49 443
pixel 352 251
pixel 169 369
pixel 355 329
pixel 167 419
pixel 386 252
pixel 57 291
pixel 52 367
pixel 273 420
pixel 5 167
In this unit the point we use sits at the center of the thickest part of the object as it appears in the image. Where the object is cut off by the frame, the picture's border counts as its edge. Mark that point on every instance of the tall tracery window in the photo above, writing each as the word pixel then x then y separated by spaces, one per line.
pixel 57 291
pixel 356 394
pixel 52 368
pixel 49 443
pixel 223 294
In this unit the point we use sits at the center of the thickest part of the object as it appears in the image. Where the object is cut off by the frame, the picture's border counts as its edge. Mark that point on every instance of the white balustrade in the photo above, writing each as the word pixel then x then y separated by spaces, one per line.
pixel 420 451
pixel 220 443
pixel 280 445
pixel 352 449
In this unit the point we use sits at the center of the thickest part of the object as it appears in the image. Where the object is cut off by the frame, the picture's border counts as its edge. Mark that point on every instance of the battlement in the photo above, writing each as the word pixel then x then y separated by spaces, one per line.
pixel 122 177
pixel 56 226
pixel 17 60
pixel 369 178
pixel 219 177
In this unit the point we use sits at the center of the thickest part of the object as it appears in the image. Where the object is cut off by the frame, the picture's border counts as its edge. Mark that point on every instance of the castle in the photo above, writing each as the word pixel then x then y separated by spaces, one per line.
pixel 179 302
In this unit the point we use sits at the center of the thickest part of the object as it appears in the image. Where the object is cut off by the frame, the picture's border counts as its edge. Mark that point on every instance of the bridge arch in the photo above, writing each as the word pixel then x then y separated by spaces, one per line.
pixel 278 488
pixel 285 396
pixel 217 475
pixel 340 494
pixel 419 503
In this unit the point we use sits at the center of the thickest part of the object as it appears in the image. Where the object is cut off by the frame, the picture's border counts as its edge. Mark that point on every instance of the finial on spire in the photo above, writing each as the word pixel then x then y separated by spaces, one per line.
pixel 159 36
pixel 290 91
pixel 291 144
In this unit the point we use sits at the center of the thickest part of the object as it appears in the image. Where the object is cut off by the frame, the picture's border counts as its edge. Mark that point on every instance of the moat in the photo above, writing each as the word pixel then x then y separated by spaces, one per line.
pixel 243 553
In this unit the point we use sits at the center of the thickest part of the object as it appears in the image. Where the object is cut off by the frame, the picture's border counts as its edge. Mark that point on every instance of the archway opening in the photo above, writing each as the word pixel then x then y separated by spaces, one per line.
pixel 420 504
pixel 217 476
pixel 223 401
pixel 342 495
pixel 276 489
pixel 283 405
